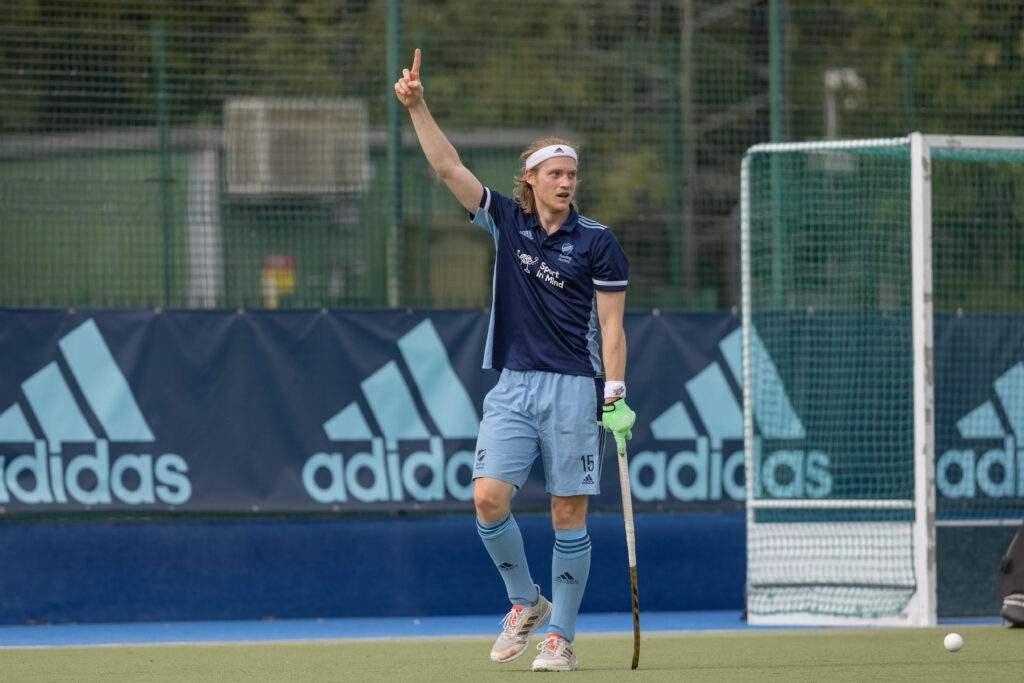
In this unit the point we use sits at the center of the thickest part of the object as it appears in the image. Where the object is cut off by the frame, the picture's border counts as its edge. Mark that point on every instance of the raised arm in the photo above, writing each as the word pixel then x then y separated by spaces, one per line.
pixel 440 153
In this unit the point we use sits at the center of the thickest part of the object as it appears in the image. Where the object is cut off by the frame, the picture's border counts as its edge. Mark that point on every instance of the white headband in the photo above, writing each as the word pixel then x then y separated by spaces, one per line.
pixel 545 153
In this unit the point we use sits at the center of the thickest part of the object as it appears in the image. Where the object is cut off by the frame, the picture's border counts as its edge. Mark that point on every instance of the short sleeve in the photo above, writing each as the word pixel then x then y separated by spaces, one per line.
pixel 495 211
pixel 610 267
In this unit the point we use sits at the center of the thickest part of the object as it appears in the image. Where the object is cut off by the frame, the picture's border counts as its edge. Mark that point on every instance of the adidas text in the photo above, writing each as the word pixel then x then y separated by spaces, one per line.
pixel 996 473
pixel 134 479
pixel 388 474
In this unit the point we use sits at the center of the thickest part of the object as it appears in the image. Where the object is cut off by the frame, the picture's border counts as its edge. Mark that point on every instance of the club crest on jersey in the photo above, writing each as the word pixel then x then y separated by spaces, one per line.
pixel 566 255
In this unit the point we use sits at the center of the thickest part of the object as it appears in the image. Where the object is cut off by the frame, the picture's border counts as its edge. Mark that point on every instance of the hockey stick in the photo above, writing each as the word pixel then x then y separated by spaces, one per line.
pixel 627 515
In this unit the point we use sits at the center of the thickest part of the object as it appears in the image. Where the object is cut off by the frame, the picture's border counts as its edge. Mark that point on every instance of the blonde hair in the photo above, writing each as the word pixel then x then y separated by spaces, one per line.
pixel 522 192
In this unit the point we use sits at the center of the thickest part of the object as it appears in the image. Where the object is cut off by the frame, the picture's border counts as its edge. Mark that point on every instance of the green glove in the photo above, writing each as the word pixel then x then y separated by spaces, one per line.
pixel 618 419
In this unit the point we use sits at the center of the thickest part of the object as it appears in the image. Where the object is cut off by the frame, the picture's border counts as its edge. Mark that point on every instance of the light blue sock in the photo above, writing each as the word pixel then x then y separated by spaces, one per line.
pixel 504 543
pixel 570 567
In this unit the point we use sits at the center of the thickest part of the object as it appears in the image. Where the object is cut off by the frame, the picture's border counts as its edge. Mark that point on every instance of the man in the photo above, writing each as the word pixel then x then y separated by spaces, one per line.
pixel 554 269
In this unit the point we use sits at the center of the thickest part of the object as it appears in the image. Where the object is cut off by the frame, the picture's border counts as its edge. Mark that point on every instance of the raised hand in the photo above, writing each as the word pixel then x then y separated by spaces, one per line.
pixel 409 88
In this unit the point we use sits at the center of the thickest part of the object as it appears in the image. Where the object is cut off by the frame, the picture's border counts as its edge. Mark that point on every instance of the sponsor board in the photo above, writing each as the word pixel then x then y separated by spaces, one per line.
pixel 86 438
pixel 989 460
pixel 401 458
pixel 699 452
pixel 349 410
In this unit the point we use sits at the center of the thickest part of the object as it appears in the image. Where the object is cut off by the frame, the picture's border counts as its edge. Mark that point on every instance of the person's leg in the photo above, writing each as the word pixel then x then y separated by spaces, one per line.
pixel 570 568
pixel 502 539
pixel 505 450
pixel 504 543
pixel 570 563
pixel 571 450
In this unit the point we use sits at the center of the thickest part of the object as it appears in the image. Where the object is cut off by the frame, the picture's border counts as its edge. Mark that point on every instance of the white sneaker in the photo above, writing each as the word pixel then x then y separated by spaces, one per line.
pixel 555 655
pixel 517 627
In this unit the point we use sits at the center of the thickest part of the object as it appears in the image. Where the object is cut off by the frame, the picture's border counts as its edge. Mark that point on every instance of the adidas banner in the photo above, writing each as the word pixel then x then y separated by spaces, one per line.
pixel 379 410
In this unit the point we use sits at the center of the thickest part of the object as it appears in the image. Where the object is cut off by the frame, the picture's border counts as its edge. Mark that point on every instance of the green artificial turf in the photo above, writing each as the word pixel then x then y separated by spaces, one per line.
pixel 990 653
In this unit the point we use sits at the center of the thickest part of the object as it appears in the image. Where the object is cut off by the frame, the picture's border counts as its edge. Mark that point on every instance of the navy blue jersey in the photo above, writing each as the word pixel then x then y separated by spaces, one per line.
pixel 543 316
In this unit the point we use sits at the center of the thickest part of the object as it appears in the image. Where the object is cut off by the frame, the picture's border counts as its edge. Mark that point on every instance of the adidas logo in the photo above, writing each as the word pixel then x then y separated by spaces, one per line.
pixel 999 472
pixel 386 472
pixel 712 468
pixel 588 480
pixel 527 234
pixel 94 405
pixel 565 577
pixel 505 566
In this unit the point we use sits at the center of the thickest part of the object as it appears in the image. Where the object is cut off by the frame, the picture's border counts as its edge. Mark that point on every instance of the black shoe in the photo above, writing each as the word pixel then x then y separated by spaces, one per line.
pixel 1013 610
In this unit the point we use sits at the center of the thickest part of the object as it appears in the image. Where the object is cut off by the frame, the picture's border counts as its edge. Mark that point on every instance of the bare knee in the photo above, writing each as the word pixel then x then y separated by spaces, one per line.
pixel 492 499
pixel 568 512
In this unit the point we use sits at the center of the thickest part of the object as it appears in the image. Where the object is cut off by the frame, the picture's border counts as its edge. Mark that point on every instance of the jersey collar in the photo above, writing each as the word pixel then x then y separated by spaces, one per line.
pixel 568 226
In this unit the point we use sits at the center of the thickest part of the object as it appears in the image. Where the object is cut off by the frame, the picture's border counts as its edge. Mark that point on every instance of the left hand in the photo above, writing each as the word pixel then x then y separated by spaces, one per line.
pixel 618 418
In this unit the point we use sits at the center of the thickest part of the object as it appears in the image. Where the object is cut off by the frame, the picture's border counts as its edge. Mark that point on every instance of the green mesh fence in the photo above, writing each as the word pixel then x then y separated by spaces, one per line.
pixel 224 154
pixel 977 223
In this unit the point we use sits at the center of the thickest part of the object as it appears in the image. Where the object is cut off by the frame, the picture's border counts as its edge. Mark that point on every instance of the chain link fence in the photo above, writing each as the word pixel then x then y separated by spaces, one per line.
pixel 250 153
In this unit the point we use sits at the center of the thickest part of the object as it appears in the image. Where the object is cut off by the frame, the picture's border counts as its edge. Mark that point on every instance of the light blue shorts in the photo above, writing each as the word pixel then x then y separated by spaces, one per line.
pixel 531 413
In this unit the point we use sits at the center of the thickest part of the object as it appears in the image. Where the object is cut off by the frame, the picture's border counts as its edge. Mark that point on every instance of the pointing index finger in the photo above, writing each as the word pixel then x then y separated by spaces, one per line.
pixel 416 65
